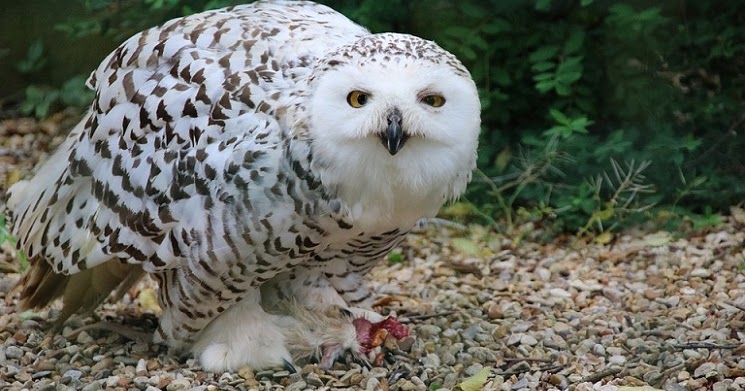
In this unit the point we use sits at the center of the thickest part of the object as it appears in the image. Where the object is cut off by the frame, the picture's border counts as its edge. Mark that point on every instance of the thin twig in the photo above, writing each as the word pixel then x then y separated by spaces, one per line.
pixel 705 345
pixel 550 368
pixel 595 377
pixel 518 359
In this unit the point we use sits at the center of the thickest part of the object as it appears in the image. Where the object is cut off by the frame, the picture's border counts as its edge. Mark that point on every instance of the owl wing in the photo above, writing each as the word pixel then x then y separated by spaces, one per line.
pixel 178 111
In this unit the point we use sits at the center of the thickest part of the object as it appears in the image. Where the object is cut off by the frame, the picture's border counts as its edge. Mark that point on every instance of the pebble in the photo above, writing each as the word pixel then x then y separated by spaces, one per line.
pixel 107 362
pixel 428 330
pixel 112 381
pixel 73 374
pixel 298 386
pixel 529 312
pixel 431 361
pixel 13 352
pixel 373 384
pixel 520 384
pixel 141 368
pixel 84 339
pixel 704 369
pixel 313 380
pixel 527 339
pixel 40 374
pixel 178 384
pixel 617 360
pixel 141 382
pixel 96 385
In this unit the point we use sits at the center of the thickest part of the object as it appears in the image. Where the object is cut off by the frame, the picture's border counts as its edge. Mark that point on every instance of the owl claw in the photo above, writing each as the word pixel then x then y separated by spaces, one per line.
pixel 288 366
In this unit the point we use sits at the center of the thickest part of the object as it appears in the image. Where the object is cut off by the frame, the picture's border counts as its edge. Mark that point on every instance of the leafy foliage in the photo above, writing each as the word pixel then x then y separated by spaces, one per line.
pixel 7 238
pixel 573 93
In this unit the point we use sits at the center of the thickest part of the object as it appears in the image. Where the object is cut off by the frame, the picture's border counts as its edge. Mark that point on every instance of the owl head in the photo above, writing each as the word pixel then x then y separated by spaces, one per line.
pixel 394 123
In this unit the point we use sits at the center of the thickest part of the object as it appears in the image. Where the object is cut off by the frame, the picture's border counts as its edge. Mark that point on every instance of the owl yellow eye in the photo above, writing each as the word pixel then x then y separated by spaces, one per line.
pixel 434 100
pixel 357 99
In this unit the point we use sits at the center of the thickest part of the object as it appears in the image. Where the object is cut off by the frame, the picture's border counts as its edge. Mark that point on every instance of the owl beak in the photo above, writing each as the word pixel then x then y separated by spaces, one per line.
pixel 394 137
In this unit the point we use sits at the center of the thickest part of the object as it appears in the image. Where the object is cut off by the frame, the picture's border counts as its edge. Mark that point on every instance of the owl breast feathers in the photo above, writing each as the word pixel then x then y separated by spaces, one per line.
pixel 257 161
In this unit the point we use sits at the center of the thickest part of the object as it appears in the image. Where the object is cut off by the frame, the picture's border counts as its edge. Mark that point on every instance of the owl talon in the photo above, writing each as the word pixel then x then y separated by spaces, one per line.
pixel 287 365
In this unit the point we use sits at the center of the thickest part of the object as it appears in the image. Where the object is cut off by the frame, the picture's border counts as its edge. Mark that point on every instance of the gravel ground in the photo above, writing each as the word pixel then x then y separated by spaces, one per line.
pixel 646 309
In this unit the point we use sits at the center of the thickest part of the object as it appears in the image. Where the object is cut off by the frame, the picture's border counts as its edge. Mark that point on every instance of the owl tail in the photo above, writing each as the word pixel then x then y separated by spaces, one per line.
pixel 81 292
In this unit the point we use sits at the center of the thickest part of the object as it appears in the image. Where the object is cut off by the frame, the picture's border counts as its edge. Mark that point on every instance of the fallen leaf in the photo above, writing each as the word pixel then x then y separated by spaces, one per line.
pixel 466 246
pixel 477 381
pixel 657 239
pixel 604 238
pixel 149 301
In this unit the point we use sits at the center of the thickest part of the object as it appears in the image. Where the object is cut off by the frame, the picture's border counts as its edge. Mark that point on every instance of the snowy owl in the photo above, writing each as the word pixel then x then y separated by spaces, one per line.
pixel 244 157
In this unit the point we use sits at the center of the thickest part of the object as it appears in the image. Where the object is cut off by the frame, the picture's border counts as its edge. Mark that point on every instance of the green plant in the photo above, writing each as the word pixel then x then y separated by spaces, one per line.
pixel 7 238
pixel 40 101
pixel 35 59
pixel 625 186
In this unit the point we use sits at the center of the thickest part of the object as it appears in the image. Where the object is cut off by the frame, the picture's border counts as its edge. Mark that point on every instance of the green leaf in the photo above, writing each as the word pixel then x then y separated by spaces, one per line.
pixel 559 117
pixel 542 66
pixel 543 5
pixel 496 26
pixel 574 42
pixel 477 381
pixel 543 53
pixel 562 89
pixel 466 246
pixel 395 257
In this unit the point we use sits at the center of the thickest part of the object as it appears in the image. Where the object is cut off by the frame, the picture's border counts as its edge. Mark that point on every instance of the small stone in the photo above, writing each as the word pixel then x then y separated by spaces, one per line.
pixel 141 382
pixel 246 373
pixel 495 311
pixel 178 384
pixel 11 371
pixel 280 374
pixel 298 386
pixel 652 376
pixel 406 343
pixel 106 363
pixel 721 385
pixel 520 384
pixel 13 352
pixel 528 339
pixel 93 386
pixel 373 384
pixel 617 360
pixel 700 272
pixel 559 292
pixel 473 368
pixel 562 329
pixel 139 348
pixel 141 368
pixel 40 374
pixel 112 381
pixel 704 369
pixel 313 380
pixel 151 388
pixel 448 359
pixel 428 330
pixel 84 339
pixel 431 361
pixel 73 374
